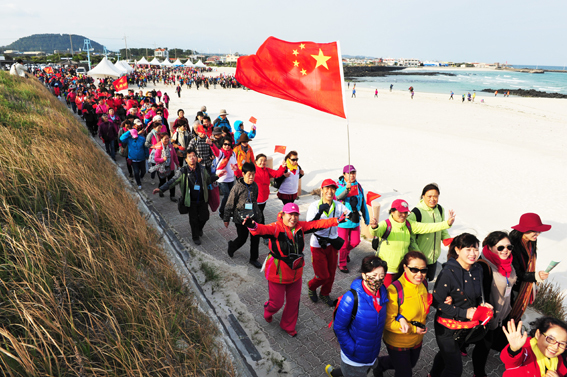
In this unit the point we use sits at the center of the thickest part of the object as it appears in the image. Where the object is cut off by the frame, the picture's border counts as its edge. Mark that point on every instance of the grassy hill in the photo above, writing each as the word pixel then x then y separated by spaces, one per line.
pixel 50 42
pixel 85 287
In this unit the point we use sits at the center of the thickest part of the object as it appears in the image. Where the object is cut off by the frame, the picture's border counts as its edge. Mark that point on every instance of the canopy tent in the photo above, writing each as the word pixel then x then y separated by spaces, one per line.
pixel 177 62
pixel 200 64
pixel 104 69
pixel 143 61
pixel 189 63
pixel 155 62
pixel 120 68
pixel 167 63
pixel 126 65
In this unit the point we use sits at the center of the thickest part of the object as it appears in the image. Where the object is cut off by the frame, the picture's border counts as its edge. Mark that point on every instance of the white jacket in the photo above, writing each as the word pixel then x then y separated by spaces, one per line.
pixel 335 211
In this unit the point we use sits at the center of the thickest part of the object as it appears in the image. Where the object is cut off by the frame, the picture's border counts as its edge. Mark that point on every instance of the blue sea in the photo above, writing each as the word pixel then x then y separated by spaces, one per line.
pixel 469 80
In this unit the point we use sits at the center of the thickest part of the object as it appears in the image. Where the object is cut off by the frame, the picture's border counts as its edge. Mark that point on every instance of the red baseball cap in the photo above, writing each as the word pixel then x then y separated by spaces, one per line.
pixel 400 205
pixel 290 208
pixel 329 182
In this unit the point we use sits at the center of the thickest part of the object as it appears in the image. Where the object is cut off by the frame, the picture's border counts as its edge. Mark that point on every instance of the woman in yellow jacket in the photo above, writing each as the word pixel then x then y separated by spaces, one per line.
pixel 394 244
pixel 406 312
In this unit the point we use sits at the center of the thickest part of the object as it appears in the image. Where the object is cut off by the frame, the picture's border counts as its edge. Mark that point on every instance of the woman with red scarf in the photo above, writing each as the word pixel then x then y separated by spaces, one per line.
pixel 499 277
pixel 225 160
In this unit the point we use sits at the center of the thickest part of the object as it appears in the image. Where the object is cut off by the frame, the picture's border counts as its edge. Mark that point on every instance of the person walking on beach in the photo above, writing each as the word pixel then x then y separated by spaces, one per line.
pixel 463 98
pixel 473 95
pixel 495 93
pixel 178 90
pixel 353 93
pixel 469 97
pixel 391 87
pixel 325 244
pixel 376 93
pixel 451 95
pixel 284 265
pixel 412 94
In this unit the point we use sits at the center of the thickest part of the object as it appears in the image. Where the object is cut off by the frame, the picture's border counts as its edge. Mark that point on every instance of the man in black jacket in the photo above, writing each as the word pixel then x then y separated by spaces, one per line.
pixel 89 115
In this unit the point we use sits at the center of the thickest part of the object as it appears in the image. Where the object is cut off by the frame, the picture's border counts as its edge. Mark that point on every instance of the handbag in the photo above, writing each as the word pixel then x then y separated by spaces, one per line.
pixel 181 207
pixel 214 196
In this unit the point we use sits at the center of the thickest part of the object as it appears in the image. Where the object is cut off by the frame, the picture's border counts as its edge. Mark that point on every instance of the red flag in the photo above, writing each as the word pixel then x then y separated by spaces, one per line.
pixel 48 70
pixel 447 241
pixel 370 196
pixel 305 72
pixel 120 84
pixel 279 149
pixel 253 120
pixel 58 75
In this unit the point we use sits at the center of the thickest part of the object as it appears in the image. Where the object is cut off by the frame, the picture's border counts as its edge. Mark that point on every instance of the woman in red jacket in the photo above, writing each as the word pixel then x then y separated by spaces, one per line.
pixel 284 266
pixel 262 179
pixel 166 163
pixel 538 355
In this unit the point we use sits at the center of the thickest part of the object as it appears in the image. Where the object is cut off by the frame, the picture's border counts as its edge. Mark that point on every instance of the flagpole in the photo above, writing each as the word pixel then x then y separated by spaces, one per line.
pixel 348 140
pixel 343 96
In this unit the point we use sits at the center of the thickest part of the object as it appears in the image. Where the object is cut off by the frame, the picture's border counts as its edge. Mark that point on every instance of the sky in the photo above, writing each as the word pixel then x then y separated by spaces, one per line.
pixel 517 32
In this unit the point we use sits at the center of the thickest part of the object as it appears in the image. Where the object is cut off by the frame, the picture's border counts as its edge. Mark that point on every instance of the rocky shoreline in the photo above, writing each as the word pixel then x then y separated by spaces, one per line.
pixel 527 93
pixel 377 71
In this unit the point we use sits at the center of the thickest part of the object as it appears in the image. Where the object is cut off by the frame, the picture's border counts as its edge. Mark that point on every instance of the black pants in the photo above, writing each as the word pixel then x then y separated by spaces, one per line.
pixel 165 179
pixel 494 339
pixel 431 269
pixel 139 171
pixel 240 240
pixel 401 361
pixel 448 361
pixel 92 126
pixel 262 206
pixel 198 217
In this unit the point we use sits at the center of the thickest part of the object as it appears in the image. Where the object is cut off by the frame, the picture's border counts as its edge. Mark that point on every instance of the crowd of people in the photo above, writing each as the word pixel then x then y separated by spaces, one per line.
pixel 478 297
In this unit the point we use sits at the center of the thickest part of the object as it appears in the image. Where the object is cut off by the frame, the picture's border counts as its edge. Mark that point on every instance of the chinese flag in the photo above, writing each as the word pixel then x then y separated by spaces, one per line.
pixel 253 120
pixel 48 70
pixel 370 196
pixel 305 72
pixel 279 149
pixel 447 241
pixel 120 84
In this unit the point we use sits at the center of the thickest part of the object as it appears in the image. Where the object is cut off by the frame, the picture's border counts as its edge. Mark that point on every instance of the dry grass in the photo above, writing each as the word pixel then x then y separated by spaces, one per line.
pixel 550 300
pixel 84 287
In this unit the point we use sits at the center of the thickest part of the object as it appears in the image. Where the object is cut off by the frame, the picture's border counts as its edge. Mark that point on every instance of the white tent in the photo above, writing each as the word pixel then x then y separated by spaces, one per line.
pixel 104 69
pixel 189 63
pixel 200 64
pixel 120 68
pixel 177 62
pixel 155 62
pixel 167 63
pixel 143 61
pixel 126 65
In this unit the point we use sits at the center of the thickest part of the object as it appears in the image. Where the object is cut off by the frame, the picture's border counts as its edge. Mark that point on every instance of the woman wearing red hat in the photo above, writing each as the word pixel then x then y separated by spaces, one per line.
pixel 325 244
pixel 284 266
pixel 395 234
pixel 524 239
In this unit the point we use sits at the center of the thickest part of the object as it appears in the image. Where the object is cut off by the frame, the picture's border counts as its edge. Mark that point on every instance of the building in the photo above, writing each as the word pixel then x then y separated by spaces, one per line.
pixel 12 52
pixel 34 53
pixel 161 53
pixel 232 58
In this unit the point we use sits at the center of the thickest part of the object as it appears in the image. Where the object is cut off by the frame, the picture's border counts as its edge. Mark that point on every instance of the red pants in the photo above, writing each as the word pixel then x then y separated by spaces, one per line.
pixel 324 265
pixel 352 239
pixel 291 294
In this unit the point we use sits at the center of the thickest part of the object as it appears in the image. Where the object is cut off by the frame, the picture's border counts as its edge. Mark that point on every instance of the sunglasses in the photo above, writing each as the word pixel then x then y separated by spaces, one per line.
pixel 509 247
pixel 294 159
pixel 416 270
pixel 226 144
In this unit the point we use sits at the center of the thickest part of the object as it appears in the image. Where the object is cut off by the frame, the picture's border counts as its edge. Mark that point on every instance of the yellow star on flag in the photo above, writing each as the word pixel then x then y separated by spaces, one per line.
pixel 302 46
pixel 321 59
pixel 295 52
pixel 296 63
pixel 303 72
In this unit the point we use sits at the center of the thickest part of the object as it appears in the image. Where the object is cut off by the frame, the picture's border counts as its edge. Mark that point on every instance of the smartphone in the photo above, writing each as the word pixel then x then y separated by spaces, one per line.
pixel 418 324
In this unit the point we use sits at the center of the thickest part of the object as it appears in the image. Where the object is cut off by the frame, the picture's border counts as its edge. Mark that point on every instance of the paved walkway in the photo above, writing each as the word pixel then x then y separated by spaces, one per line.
pixel 315 345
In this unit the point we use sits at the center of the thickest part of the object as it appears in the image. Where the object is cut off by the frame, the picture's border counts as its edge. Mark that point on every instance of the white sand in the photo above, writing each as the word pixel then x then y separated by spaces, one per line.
pixel 493 161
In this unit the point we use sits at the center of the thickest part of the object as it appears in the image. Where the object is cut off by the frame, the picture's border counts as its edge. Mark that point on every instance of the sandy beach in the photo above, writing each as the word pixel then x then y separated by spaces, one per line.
pixel 493 161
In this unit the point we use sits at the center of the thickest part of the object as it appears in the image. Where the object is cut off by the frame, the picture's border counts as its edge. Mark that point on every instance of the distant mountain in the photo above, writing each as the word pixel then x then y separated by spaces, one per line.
pixel 50 42
pixel 357 57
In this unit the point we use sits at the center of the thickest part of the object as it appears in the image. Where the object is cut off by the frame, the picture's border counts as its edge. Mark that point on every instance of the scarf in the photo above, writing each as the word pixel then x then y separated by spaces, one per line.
pixel 292 168
pixel 375 297
pixel 544 363
pixel 504 265
pixel 225 159
pixel 526 294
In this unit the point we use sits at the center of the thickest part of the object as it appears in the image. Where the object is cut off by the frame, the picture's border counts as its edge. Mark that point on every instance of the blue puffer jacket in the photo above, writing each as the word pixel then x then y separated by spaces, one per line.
pixel 350 201
pixel 360 339
pixel 239 126
pixel 137 151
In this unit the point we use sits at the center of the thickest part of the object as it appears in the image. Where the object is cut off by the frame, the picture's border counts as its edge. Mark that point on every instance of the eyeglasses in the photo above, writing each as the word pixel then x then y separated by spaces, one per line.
pixel 227 144
pixel 509 247
pixel 551 340
pixel 416 270
pixel 294 159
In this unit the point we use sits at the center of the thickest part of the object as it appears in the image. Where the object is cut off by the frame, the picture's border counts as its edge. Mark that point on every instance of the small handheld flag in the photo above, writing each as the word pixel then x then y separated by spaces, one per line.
pixel 279 149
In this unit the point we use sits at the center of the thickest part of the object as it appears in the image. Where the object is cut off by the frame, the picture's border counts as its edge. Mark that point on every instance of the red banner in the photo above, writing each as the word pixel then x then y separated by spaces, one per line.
pixel 279 149
pixel 305 72
pixel 48 70
pixel 120 84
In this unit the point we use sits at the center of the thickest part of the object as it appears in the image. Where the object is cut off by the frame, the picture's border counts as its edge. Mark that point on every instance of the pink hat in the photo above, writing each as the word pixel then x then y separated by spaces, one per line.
pixel 400 205
pixel 290 208
pixel 134 133
pixel 329 182
pixel 531 221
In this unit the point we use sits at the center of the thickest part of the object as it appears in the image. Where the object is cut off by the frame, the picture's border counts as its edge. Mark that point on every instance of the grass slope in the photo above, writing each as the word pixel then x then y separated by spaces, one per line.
pixel 84 287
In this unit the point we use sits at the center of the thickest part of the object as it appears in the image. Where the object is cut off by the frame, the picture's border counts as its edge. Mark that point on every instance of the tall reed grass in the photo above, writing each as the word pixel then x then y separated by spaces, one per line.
pixel 85 288
pixel 550 300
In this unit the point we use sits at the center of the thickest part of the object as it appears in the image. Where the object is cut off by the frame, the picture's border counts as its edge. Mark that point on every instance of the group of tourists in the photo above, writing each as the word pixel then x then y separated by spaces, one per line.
pixel 479 296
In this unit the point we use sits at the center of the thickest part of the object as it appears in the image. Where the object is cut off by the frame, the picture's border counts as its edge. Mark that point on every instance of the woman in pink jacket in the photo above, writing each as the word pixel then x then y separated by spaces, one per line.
pixel 166 163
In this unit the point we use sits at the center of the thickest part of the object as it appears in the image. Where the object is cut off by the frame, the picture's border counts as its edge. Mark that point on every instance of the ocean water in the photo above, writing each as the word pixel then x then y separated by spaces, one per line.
pixel 469 80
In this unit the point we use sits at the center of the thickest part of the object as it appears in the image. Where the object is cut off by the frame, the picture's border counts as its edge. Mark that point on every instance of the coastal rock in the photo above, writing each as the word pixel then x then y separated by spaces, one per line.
pixel 374 71
pixel 527 93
